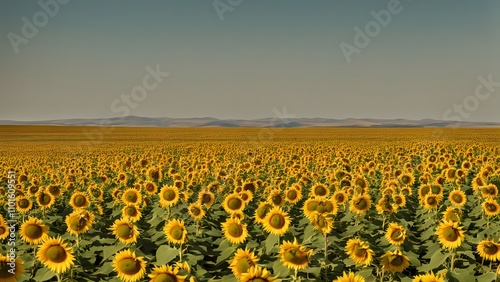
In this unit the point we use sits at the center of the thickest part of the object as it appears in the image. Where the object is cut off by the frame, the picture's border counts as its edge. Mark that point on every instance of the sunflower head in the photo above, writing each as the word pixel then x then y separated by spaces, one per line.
pixel 261 211
pixel 79 221
pixel 276 222
pixel 206 198
pixel 457 198
pixel 360 204
pixel 56 255
pixel 125 231
pixel 396 234
pixel 196 211
pixel 258 274
pixel 233 203
pixel 242 261
pixel 79 200
pixel 6 267
pixel 234 231
pixel 394 261
pixel 128 266
pixel 359 251
pixel 350 277
pixel 166 273
pixel 489 250
pixel 450 235
pixel 33 231
pixel 131 196
pixel 175 231
pixel 293 255
pixel 491 207
pixel 320 191
pixel 23 204
pixel 169 196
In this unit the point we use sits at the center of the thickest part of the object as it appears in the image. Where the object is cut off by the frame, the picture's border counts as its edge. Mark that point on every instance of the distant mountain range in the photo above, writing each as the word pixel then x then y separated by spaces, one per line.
pixel 135 121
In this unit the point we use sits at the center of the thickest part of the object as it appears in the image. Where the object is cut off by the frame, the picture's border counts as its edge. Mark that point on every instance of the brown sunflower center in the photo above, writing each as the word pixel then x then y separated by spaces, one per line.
pixel 329 206
pixel 124 231
pixel 169 195
pixel 262 211
pixel 457 198
pixel 292 195
pixel 244 197
pixel 131 197
pixel 360 251
pixel 243 265
pixel 397 261
pixel 177 232
pixel 44 199
pixel 33 231
pixel 165 277
pixel 277 221
pixel 131 211
pixel 195 211
pixel 320 191
pixel 431 201
pixel 129 266
pixel 361 204
pixel 405 179
pixel 339 197
pixel 296 257
pixel 276 199
pixel 491 207
pixel 80 201
pixel 56 254
pixel 234 203
pixel 2 230
pixel 24 203
pixel 397 235
pixel 425 190
pixel 235 230
pixel 490 248
pixel 399 200
pixel 150 187
pixel 311 206
pixel 451 234
pixel 206 198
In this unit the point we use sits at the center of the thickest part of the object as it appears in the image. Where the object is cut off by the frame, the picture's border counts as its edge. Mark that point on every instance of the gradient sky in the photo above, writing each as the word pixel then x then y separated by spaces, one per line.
pixel 264 55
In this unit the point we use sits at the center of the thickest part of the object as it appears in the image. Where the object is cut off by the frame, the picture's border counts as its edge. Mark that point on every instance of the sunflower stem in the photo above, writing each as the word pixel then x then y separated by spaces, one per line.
pixel 59 277
pixel 382 275
pixel 452 266
pixel 180 253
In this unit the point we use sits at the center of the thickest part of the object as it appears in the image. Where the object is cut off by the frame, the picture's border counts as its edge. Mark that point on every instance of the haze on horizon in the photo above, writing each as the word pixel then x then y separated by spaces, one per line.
pixel 250 61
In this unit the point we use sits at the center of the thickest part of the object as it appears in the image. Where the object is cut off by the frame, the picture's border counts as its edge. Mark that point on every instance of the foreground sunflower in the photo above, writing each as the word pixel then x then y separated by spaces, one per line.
pixel 359 251
pixel 491 207
pixel 131 212
pixel 242 261
pixel 233 203
pixel 458 198
pixel 5 266
pixel 206 198
pixel 23 204
pixel 169 196
pixel 394 261
pixel 166 273
pixel 4 228
pixel 79 200
pixel 33 231
pixel 234 231
pixel 44 199
pixel 320 191
pixel 276 221
pixel 310 207
pixel 294 256
pixel 395 234
pixel 452 214
pixel 196 211
pixel 322 223
pixel 128 266
pixel 360 204
pixel 489 250
pixel 258 274
pixel 79 222
pixel 293 195
pixel 131 196
pixel 125 231
pixel 56 255
pixel 429 277
pixel 350 277
pixel 450 235
pixel 261 211
pixel 175 231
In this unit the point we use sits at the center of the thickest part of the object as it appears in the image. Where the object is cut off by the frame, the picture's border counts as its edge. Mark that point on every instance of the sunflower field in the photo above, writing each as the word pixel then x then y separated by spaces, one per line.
pixel 213 204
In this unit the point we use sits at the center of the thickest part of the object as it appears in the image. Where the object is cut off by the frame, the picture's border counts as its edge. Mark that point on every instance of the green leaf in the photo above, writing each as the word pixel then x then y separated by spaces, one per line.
pixel 111 250
pixel 487 277
pixel 437 259
pixel 316 271
pixel 279 269
pixel 226 254
pixel 106 268
pixel 44 274
pixel 270 242
pixel 165 254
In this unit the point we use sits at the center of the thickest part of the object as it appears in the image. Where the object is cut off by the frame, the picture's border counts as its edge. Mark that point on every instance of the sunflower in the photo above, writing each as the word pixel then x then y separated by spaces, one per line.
pixel 23 204
pixel 276 198
pixel 33 231
pixel 261 211
pixel 359 251
pixel 233 203
pixel 320 191
pixel 327 206
pixel 249 186
pixel 429 277
pixel 458 198
pixel 56 255
pixel 128 266
pixel 399 200
pixel 491 207
pixel 489 250
pixel 293 195
pixel 4 228
pixel 276 221
pixel 150 187
pixel 131 196
pixel 125 231
pixel 489 191
pixel 340 197
pixel 395 234
pixel 196 211
pixel 310 207
pixel 166 273
pixel 406 191
pixel 242 261
pixel 175 231
pixel 350 277
pixel 7 269
pixel 450 235
pixel 246 196
pixel 294 256
pixel 169 196
pixel 322 222
pixel 360 204
pixel 394 261
pixel 79 222
pixel 55 190
pixel 431 201
pixel 131 212
pixel 234 231
pixel 79 200
pixel 452 214
pixel 424 190
pixel 407 179
pixel 258 273
pixel 206 198
pixel 44 199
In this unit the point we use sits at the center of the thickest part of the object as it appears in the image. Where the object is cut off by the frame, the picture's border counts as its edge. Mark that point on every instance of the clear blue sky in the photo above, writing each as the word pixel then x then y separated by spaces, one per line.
pixel 263 55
